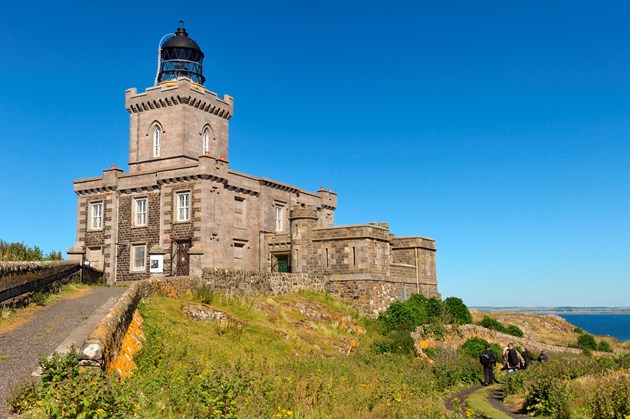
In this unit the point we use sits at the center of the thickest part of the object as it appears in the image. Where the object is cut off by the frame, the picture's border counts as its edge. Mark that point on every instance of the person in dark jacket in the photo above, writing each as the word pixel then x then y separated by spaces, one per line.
pixel 527 357
pixel 488 361
pixel 543 357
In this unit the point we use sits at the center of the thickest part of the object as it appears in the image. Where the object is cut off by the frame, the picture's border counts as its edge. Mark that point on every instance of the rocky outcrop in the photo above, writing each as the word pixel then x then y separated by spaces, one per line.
pixel 456 336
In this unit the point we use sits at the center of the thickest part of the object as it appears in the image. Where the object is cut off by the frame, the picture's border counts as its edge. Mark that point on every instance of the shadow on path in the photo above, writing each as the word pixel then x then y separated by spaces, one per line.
pixel 55 328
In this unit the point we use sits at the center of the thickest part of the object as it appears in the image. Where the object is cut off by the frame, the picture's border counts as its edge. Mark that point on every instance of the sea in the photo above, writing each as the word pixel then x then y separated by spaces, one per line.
pixel 615 325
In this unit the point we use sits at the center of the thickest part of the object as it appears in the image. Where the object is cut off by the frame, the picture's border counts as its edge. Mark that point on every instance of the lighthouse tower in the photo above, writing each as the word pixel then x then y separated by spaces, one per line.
pixel 178 120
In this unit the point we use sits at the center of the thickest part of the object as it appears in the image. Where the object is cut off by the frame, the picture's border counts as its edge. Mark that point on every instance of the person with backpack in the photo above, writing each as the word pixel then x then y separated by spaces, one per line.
pixel 513 359
pixel 527 357
pixel 488 361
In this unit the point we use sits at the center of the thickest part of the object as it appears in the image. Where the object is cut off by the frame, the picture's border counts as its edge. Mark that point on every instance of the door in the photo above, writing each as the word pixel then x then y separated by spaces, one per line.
pixel 180 258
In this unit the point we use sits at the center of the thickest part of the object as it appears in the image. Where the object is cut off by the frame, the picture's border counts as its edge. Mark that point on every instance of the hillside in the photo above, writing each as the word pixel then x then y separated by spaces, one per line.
pixel 549 329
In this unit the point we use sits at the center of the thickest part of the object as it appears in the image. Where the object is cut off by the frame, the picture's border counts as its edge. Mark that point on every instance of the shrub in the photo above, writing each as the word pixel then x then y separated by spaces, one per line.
pixel 458 311
pixel 434 308
pixel 39 298
pixel 514 330
pixel 493 324
pixel 397 341
pixel 474 347
pixel 578 330
pixel 60 367
pixel 549 397
pixel 612 398
pixel 604 346
pixel 204 294
pixel 401 316
pixel 586 342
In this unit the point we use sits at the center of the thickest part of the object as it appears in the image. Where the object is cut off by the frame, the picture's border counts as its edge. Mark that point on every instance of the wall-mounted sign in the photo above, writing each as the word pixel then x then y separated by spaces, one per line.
pixel 156 264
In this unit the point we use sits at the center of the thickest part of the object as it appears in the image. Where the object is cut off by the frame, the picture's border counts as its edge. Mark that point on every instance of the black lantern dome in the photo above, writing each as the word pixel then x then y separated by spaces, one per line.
pixel 180 56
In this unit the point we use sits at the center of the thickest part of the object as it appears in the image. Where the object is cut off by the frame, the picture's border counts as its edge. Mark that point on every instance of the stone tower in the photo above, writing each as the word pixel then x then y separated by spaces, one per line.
pixel 175 122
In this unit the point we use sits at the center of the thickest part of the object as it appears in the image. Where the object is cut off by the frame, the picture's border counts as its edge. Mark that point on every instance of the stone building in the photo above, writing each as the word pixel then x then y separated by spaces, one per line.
pixel 180 207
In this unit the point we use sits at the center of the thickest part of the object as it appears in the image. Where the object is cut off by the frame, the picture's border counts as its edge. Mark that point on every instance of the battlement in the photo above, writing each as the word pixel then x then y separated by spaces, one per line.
pixel 179 92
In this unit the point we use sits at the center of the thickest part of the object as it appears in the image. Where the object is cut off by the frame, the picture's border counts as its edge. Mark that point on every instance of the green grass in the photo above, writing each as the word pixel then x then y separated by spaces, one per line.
pixel 478 402
pixel 283 364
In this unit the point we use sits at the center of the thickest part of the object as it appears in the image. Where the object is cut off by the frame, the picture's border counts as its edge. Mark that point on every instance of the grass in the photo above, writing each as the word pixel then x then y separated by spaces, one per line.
pixel 287 362
pixel 478 402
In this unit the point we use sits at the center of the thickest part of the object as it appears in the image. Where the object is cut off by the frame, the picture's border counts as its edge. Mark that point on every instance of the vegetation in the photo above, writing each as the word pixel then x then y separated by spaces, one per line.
pixel 19 252
pixel 420 310
pixel 493 324
pixel 310 355
pixel 574 386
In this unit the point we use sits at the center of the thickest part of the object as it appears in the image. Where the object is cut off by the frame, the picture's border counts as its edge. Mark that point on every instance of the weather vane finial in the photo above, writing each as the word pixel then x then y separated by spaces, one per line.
pixel 182 22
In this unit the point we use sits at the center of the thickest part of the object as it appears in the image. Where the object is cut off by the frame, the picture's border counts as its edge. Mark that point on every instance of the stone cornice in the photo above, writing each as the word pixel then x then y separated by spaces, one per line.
pixel 180 92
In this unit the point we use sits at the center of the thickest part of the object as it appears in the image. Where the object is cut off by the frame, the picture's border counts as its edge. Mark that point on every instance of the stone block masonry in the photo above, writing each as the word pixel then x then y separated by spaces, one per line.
pixel 20 280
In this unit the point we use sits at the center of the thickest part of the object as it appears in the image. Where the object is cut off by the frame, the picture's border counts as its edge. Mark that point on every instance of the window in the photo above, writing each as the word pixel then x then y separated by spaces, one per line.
pixel 279 211
pixel 140 211
pixel 138 257
pixel 183 206
pixel 206 140
pixel 96 216
pixel 238 255
pixel 157 141
pixel 239 212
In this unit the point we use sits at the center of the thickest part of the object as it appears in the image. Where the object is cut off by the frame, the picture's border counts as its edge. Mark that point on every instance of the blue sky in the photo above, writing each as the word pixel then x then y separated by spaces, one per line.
pixel 500 129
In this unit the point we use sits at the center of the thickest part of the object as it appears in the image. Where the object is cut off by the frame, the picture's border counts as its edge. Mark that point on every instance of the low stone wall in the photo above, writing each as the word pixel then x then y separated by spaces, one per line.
pixel 371 297
pixel 103 346
pixel 20 280
pixel 266 283
pixel 456 337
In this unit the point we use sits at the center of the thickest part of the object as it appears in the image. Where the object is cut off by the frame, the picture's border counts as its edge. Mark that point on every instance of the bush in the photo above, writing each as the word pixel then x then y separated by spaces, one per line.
pixel 604 346
pixel 578 330
pixel 493 324
pixel 548 397
pixel 514 330
pixel 612 398
pixel 399 342
pixel 586 342
pixel 458 311
pixel 401 316
pixel 204 294
pixel 60 367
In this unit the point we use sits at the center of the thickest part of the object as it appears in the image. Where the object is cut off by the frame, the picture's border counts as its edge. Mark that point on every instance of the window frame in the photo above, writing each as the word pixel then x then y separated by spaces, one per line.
pixel 185 208
pixel 278 217
pixel 99 217
pixel 205 141
pixel 157 141
pixel 136 213
pixel 133 267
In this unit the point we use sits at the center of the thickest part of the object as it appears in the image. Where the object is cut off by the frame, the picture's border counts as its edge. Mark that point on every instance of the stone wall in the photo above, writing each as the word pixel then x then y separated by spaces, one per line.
pixel 266 283
pixel 371 296
pixel 20 280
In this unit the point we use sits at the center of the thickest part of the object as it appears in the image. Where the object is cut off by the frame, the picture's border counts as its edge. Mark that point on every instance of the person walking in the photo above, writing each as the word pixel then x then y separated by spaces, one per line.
pixel 527 357
pixel 513 359
pixel 488 361
pixel 543 357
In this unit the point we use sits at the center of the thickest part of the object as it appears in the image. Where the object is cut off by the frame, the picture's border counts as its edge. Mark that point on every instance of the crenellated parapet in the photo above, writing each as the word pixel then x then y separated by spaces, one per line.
pixel 179 92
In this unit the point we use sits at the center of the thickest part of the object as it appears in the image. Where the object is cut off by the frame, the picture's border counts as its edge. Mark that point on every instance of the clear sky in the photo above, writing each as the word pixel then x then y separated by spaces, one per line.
pixel 499 128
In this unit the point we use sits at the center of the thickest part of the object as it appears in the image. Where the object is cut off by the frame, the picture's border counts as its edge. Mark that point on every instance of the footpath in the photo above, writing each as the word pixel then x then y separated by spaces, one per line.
pixel 55 328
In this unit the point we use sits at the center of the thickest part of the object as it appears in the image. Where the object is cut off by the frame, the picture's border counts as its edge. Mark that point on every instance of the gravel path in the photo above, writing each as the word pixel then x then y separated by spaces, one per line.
pixel 54 328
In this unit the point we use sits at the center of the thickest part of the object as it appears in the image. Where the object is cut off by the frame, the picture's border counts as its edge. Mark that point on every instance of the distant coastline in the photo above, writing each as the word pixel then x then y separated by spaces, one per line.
pixel 554 310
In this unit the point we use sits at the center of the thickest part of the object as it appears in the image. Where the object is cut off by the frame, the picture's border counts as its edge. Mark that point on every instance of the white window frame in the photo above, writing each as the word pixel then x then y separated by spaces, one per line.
pixel 205 147
pixel 182 204
pixel 157 141
pixel 96 215
pixel 279 217
pixel 134 263
pixel 140 212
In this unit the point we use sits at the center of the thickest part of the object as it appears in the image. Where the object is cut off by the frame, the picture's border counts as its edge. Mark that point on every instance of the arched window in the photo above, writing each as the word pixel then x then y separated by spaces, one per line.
pixel 157 141
pixel 206 141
